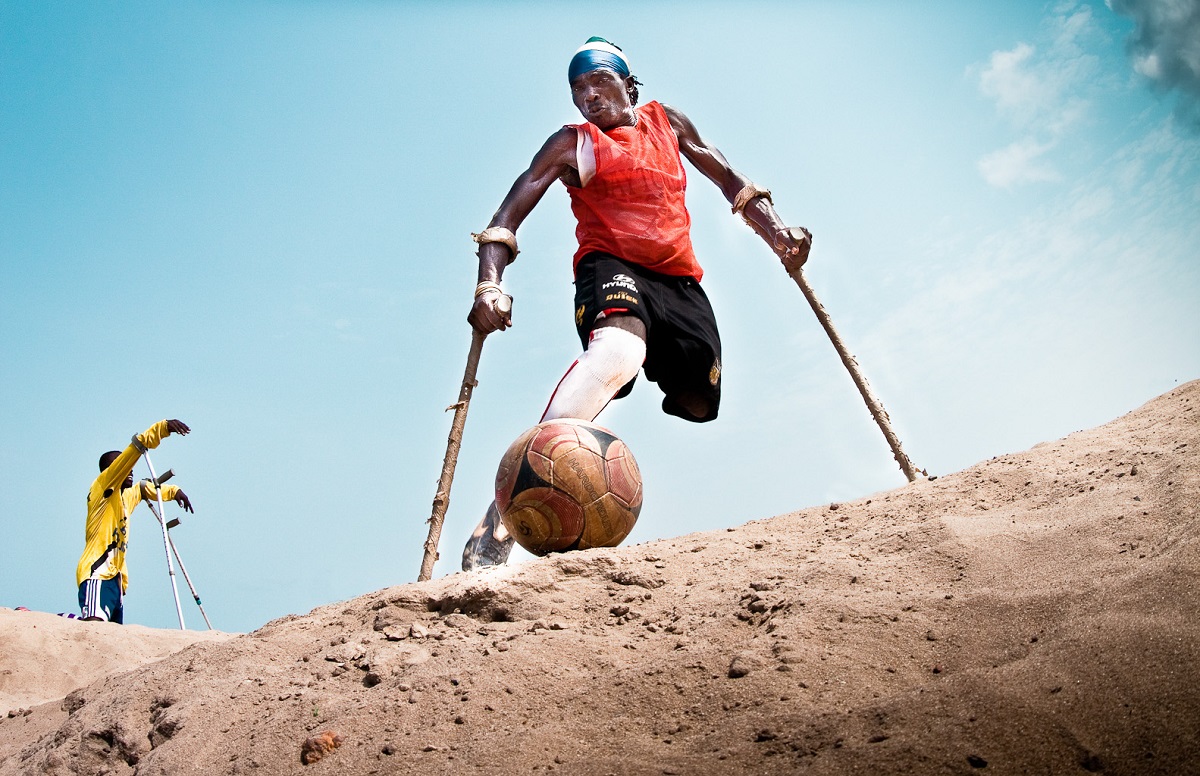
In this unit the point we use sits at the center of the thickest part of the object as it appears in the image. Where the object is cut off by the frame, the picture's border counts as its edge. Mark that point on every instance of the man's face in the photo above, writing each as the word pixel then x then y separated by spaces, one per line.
pixel 602 97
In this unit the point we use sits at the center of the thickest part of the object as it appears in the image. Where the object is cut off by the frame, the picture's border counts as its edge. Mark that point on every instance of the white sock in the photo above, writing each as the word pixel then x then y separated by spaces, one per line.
pixel 613 358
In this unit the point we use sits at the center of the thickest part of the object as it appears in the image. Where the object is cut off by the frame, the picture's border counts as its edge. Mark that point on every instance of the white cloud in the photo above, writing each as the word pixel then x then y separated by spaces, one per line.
pixel 1041 92
pixel 1009 80
pixel 1125 231
pixel 1148 66
pixel 1020 162
pixel 1075 307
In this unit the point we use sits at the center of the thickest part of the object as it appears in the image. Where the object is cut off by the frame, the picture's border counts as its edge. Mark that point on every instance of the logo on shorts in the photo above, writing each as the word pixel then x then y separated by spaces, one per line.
pixel 621 281
pixel 621 296
pixel 714 374
pixel 579 316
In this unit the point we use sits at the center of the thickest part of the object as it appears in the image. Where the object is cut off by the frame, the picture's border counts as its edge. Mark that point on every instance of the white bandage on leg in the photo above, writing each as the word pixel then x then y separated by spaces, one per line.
pixel 613 358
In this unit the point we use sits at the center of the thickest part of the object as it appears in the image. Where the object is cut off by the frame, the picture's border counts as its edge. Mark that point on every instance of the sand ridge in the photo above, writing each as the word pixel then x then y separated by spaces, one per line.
pixel 1036 612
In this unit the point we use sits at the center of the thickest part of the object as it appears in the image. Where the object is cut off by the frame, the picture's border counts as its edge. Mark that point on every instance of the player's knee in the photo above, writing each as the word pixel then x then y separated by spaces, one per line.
pixel 615 355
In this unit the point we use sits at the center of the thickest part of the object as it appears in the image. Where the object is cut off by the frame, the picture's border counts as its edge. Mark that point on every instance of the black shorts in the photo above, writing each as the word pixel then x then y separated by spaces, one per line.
pixel 683 348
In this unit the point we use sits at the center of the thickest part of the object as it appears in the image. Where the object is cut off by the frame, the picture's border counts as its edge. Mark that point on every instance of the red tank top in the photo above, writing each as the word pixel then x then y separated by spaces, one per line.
pixel 633 206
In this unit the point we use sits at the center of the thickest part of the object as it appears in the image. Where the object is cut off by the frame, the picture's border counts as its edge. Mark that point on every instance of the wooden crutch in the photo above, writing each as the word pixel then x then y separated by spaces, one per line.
pixel 873 404
pixel 441 499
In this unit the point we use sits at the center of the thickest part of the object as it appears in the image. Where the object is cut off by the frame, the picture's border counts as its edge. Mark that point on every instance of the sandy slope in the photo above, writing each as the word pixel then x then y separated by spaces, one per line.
pixel 46 656
pixel 43 657
pixel 1036 613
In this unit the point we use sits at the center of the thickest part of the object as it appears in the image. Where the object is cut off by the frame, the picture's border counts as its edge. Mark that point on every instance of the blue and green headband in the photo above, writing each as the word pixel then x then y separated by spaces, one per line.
pixel 598 54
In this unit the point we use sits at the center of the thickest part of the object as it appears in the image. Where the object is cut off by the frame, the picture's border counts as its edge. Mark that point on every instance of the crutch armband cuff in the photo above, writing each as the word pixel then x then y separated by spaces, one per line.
pixel 749 191
pixel 138 445
pixel 498 234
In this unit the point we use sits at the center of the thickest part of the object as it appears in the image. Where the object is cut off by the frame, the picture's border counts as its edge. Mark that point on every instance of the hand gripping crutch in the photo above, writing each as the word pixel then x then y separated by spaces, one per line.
pixel 166 537
pixel 168 474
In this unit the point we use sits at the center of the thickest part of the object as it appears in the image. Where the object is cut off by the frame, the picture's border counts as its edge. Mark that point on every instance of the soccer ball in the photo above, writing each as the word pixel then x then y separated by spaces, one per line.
pixel 568 485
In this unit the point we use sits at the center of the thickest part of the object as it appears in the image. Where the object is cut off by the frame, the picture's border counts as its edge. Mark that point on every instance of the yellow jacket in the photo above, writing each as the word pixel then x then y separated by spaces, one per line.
pixel 109 508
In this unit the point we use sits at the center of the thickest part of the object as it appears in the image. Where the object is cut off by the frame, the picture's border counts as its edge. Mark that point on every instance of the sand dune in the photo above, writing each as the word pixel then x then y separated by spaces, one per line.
pixel 47 656
pixel 1035 613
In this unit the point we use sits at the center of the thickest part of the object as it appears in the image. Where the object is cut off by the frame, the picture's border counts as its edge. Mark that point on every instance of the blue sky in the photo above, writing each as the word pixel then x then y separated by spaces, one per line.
pixel 255 217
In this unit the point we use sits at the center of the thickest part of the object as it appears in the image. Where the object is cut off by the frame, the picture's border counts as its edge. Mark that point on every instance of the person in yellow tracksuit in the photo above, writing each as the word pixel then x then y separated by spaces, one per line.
pixel 101 574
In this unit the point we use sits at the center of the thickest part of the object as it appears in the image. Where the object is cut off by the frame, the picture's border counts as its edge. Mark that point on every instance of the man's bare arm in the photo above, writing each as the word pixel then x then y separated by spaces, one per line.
pixel 554 159
pixel 791 244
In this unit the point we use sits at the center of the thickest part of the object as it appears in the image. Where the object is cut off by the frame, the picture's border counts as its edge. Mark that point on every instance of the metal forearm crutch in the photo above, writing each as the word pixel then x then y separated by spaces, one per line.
pixel 166 538
pixel 168 474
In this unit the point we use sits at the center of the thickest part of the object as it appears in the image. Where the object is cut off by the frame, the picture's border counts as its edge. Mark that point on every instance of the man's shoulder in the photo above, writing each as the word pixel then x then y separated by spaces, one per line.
pixel 664 113
pixel 670 111
pixel 558 149
pixel 651 108
pixel 101 486
pixel 561 139
pixel 565 132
